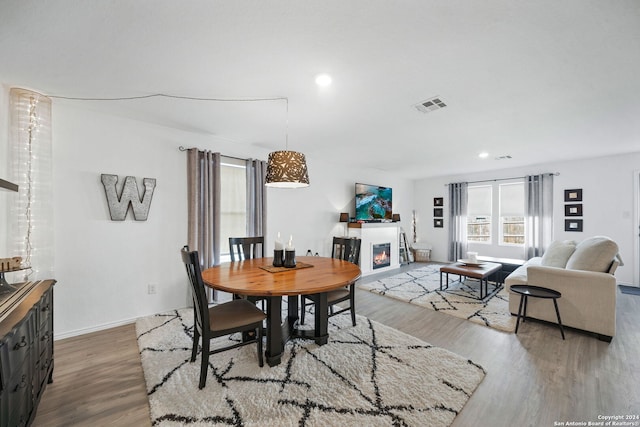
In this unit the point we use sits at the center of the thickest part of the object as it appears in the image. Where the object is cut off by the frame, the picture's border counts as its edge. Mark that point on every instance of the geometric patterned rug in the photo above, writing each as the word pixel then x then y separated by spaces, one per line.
pixel 368 375
pixel 422 287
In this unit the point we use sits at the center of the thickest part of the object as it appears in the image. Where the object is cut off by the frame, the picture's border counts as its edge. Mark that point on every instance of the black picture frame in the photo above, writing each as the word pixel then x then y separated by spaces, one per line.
pixel 438 201
pixel 438 212
pixel 572 225
pixel 574 195
pixel 573 209
pixel 438 223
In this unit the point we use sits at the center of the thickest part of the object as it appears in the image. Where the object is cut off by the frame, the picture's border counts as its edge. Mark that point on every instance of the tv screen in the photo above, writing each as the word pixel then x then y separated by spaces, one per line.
pixel 373 202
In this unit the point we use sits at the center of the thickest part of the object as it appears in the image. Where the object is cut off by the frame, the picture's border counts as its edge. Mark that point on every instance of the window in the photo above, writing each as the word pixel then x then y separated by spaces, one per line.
pixel 233 203
pixel 479 209
pixel 508 222
pixel 512 214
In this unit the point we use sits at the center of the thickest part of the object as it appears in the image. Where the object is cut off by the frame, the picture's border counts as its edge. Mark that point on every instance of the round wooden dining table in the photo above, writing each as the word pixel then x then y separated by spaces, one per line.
pixel 258 277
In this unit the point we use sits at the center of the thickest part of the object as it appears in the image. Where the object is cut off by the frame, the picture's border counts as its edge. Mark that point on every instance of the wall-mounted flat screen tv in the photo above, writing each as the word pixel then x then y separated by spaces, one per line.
pixel 373 202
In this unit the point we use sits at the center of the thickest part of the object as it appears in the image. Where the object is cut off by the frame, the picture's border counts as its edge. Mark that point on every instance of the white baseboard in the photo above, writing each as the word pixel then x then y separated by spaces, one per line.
pixel 77 332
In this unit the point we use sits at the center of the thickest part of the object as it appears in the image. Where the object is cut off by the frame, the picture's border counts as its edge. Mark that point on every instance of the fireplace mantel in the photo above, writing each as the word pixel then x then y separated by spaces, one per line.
pixel 373 234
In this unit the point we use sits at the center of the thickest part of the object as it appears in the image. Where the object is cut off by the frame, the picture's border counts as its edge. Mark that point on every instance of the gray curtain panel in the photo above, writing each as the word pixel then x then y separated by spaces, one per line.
pixel 256 198
pixel 538 214
pixel 458 220
pixel 203 192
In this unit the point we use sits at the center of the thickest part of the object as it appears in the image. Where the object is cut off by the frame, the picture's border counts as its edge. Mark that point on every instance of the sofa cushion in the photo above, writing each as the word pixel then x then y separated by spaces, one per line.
pixel 519 275
pixel 558 253
pixel 593 254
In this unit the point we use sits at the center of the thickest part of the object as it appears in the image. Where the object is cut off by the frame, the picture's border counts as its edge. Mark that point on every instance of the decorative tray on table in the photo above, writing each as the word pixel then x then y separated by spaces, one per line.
pixel 471 263
pixel 272 269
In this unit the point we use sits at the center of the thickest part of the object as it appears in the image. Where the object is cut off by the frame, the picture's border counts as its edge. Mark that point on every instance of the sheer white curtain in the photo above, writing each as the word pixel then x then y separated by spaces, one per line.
pixel 256 198
pixel 538 214
pixel 458 198
pixel 203 192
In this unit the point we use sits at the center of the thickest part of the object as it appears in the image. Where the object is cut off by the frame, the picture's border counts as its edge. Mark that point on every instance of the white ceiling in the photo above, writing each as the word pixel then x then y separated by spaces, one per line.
pixel 537 80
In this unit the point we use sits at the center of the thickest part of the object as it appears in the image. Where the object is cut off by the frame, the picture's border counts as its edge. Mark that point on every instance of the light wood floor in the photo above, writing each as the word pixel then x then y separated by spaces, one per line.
pixel 533 378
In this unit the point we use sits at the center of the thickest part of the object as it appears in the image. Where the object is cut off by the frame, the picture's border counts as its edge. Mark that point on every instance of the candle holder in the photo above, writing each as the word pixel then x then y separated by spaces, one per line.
pixel 278 257
pixel 289 259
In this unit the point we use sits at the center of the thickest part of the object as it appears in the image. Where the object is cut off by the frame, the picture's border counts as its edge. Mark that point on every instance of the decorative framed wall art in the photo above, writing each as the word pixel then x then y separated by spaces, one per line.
pixel 572 225
pixel 438 201
pixel 438 212
pixel 573 209
pixel 574 195
pixel 438 222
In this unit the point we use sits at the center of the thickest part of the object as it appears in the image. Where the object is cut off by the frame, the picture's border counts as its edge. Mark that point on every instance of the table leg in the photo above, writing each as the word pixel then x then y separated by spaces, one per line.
pixel 292 309
pixel 555 304
pixel 321 327
pixel 273 353
pixel 522 297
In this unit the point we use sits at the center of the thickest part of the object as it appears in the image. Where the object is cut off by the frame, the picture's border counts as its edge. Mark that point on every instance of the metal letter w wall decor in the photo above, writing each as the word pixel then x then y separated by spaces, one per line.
pixel 119 205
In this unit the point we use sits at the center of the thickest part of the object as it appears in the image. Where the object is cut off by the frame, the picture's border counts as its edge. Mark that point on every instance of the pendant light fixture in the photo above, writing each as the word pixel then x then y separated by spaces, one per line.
pixel 287 169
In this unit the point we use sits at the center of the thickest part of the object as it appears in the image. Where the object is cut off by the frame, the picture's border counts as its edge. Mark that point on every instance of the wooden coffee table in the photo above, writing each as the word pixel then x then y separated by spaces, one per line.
pixel 481 272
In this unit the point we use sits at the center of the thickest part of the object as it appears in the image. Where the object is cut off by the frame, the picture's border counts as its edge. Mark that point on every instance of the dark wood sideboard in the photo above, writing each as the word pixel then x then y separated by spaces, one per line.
pixel 26 351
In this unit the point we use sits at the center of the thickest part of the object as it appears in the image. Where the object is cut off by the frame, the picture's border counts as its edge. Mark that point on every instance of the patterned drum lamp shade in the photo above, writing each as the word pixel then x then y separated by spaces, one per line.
pixel 287 169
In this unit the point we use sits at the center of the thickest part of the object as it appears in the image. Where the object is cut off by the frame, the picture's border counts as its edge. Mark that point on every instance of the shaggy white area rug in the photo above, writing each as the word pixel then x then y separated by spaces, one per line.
pixel 421 286
pixel 368 375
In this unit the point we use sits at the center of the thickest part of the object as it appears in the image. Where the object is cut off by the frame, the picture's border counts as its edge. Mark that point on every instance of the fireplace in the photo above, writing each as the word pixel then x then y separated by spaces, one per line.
pixel 381 255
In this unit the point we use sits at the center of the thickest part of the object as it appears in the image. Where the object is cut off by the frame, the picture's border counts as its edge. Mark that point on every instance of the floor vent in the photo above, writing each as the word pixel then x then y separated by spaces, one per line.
pixel 431 104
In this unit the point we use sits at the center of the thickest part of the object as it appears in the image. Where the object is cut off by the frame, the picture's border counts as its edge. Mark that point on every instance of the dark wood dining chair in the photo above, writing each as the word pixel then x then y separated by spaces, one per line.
pixel 223 319
pixel 347 249
pixel 241 248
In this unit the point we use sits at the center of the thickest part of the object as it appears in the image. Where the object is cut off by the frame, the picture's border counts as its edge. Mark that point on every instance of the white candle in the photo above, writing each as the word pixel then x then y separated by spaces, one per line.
pixel 278 243
pixel 290 245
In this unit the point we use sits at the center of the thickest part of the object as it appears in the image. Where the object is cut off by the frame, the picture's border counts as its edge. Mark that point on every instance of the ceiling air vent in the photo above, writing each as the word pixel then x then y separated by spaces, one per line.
pixel 505 157
pixel 431 104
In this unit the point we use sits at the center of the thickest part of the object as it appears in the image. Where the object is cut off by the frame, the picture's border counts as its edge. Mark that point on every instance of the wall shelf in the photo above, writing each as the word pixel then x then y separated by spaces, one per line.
pixel 6 185
pixel 371 224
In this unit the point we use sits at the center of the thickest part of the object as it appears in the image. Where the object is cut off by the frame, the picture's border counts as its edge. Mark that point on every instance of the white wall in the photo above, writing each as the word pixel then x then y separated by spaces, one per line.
pixel 103 267
pixel 311 214
pixel 5 196
pixel 608 203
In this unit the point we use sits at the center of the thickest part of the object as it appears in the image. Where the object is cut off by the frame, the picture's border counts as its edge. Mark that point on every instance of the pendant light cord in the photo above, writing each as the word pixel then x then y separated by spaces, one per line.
pixel 164 95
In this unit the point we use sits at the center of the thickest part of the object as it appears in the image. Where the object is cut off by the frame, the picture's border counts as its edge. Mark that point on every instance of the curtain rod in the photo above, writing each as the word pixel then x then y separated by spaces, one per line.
pixel 505 179
pixel 181 148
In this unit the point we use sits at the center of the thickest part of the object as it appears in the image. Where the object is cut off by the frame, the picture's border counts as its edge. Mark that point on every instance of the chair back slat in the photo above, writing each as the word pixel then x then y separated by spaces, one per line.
pixel 347 249
pixel 241 248
pixel 191 262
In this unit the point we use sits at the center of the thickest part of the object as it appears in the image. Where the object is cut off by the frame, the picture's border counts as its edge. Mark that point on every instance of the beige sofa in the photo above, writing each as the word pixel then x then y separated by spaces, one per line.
pixel 583 274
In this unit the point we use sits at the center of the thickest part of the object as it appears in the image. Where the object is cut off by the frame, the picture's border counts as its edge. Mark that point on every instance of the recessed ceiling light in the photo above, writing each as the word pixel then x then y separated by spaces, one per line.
pixel 323 80
pixel 483 155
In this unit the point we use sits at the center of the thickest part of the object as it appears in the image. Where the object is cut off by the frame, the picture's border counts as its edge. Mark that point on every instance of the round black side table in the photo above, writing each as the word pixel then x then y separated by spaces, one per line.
pixel 527 291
